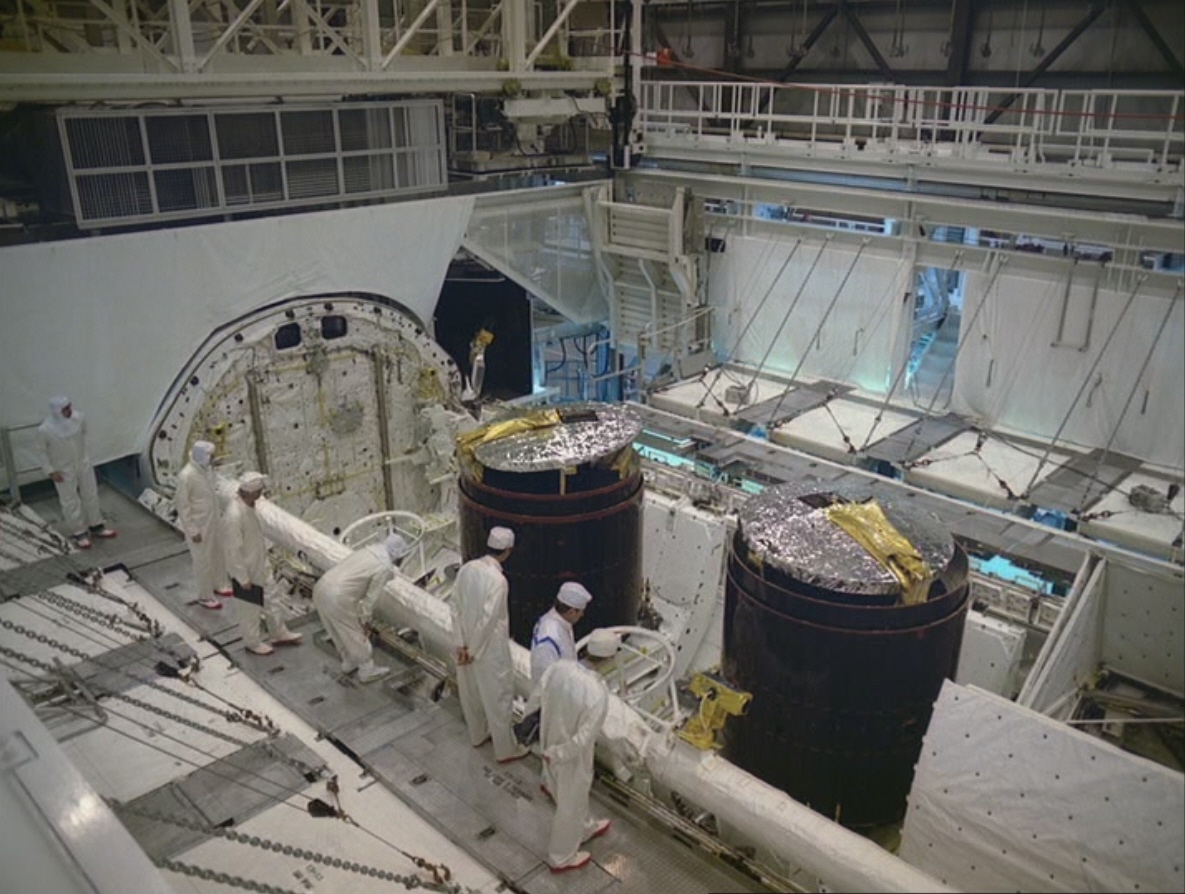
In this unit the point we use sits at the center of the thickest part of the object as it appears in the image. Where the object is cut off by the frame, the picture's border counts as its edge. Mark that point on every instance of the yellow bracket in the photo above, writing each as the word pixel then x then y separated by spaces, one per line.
pixel 717 703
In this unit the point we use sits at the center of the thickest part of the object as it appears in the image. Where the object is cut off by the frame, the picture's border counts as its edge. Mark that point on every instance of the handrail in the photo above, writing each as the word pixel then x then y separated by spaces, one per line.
pixel 1078 127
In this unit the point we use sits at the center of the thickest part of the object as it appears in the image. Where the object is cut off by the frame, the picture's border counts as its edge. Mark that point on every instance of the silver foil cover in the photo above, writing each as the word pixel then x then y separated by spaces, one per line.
pixel 797 538
pixel 567 444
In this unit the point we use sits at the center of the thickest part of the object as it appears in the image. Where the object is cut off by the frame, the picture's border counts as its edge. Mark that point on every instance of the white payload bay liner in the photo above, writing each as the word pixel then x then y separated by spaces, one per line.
pixel 1005 799
pixel 840 859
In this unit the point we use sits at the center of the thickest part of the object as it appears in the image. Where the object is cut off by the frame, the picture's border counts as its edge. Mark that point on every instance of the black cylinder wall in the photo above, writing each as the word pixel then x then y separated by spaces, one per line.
pixel 842 686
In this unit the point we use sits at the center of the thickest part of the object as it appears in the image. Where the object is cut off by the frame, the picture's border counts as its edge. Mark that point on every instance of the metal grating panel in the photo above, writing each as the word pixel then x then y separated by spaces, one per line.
pixel 104 142
pixel 162 164
pixel 226 792
pixel 247 135
pixel 175 139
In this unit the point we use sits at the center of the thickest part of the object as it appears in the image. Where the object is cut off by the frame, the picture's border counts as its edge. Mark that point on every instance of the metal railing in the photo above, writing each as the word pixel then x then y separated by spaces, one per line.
pixel 1078 127
pixel 12 472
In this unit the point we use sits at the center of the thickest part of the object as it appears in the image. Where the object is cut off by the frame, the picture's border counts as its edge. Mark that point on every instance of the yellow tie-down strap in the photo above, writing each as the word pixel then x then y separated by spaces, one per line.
pixel 867 524
pixel 468 442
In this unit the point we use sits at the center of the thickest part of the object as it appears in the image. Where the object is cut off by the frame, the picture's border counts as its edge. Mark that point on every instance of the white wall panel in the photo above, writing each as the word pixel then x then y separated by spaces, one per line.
pixel 855 344
pixel 111 320
pixel 1010 375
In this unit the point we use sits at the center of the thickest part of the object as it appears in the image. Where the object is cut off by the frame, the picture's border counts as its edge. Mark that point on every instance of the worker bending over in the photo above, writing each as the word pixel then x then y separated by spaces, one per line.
pixel 345 597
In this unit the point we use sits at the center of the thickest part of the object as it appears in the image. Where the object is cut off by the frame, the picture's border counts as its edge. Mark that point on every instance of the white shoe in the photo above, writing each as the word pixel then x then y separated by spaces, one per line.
pixel 82 541
pixel 579 860
pixel 370 672
pixel 261 649
pixel 595 829
pixel 287 639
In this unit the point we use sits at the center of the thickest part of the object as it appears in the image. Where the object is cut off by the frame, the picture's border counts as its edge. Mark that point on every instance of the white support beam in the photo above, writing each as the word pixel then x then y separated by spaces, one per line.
pixel 495 14
pixel 514 33
pixel 410 32
pixel 372 36
pixel 301 19
pixel 268 81
pixel 182 28
pixel 551 32
pixel 231 30
pixel 125 27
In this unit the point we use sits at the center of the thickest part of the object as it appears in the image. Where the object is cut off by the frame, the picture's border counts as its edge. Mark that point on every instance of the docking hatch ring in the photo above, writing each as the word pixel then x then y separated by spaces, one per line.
pixel 642 672
pixel 374 529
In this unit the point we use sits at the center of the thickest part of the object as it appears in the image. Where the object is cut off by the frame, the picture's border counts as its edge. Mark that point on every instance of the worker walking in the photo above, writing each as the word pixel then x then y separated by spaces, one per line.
pixel 61 440
pixel 345 597
pixel 199 514
pixel 250 579
pixel 481 635
pixel 575 701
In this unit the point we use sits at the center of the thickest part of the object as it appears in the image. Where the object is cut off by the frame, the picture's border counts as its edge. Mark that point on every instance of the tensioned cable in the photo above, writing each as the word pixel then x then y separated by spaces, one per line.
pixel 814 335
pixel 1085 382
pixel 897 379
pixel 211 758
pixel 752 319
pixel 210 768
pixel 214 758
pixel 793 304
pixel 1132 393
pixel 85 633
pixel 1013 445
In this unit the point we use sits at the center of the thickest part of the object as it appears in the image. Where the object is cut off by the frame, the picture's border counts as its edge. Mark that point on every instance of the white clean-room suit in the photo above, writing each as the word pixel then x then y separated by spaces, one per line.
pixel 480 625
pixel 575 701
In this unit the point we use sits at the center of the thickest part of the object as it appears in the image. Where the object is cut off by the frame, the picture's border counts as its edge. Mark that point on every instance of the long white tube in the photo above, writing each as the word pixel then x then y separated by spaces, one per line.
pixel 840 859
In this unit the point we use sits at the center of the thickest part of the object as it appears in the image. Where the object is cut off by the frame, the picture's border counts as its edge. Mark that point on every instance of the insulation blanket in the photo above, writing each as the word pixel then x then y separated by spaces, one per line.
pixel 1074 814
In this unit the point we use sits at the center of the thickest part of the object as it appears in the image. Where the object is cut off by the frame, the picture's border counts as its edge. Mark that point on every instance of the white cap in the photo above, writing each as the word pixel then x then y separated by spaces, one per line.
pixel 573 595
pixel 396 547
pixel 57 404
pixel 202 452
pixel 602 643
pixel 252 482
pixel 500 538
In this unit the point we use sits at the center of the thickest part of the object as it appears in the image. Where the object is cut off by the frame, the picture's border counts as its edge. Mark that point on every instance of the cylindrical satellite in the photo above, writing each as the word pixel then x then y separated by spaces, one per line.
pixel 844 612
pixel 568 482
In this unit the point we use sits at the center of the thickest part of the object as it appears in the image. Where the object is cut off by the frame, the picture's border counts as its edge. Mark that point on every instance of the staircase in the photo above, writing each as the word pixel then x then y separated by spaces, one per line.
pixel 933 381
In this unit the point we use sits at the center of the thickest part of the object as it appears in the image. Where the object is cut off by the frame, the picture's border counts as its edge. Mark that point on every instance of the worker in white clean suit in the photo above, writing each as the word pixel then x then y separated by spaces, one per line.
pixel 199 513
pixel 554 638
pixel 345 597
pixel 61 441
pixel 250 579
pixel 481 637
pixel 575 701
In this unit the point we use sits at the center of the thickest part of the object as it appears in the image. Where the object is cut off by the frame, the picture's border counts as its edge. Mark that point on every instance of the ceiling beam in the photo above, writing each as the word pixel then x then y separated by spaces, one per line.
pixel 958 43
pixel 858 26
pixel 1154 35
pixel 801 52
pixel 1029 79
